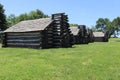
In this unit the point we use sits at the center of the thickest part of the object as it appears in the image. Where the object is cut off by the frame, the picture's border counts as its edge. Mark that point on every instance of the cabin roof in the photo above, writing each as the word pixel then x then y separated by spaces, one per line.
pixel 74 30
pixel 30 25
pixel 98 34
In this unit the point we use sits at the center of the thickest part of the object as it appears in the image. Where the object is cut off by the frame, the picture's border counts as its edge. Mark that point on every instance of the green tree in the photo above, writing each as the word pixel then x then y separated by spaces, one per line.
pixel 101 24
pixel 73 25
pixel 110 28
pixel 116 23
pixel 36 15
pixel 21 17
pixel 2 18
pixel 11 20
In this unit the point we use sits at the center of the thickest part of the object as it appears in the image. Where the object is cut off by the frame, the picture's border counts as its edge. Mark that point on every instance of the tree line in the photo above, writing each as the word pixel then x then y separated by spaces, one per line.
pixel 12 19
pixel 102 24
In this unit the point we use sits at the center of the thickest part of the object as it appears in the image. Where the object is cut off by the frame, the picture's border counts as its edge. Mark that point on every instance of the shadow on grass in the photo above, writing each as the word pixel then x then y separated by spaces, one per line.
pixel 37 48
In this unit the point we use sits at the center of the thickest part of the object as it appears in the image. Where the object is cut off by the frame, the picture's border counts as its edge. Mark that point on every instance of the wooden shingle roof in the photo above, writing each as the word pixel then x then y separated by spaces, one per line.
pixel 74 30
pixel 98 34
pixel 30 25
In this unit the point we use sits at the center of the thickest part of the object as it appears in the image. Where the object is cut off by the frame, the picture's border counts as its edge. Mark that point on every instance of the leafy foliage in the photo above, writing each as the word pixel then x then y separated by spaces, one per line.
pixel 73 25
pixel 2 18
pixel 12 19
pixel 101 23
pixel 116 24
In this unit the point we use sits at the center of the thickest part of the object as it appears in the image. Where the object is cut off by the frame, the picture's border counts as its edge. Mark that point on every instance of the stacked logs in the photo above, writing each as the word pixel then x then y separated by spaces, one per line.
pixel 83 34
pixel 61 32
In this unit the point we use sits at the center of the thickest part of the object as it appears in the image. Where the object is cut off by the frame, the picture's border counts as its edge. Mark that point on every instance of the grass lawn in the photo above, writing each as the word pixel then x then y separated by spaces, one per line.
pixel 96 61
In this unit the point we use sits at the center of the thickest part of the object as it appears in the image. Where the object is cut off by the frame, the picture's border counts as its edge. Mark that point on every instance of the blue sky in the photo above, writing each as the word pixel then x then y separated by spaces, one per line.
pixel 79 11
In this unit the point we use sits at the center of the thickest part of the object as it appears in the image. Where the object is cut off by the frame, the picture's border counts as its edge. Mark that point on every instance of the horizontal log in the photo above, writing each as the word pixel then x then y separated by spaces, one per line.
pixel 24 35
pixel 57 33
pixel 23 41
pixel 50 34
pixel 57 25
pixel 57 17
pixel 49 31
pixel 58 21
pixel 57 44
pixel 57 37
pixel 50 38
pixel 57 28
pixel 23 44
pixel 20 37
pixel 49 46
pixel 56 40
pixel 19 34
pixel 50 28
pixel 50 42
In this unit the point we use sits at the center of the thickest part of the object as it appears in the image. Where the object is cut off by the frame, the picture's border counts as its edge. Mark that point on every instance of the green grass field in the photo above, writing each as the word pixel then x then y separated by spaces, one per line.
pixel 96 61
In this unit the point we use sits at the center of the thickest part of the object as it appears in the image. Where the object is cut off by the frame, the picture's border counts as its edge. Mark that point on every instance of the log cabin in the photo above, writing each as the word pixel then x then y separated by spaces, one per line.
pixel 101 36
pixel 81 34
pixel 39 33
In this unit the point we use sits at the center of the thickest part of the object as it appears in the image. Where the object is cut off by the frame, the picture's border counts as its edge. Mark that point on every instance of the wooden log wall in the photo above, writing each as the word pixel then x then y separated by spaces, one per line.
pixel 90 35
pixel 83 34
pixel 67 42
pixel 30 40
pixel 47 38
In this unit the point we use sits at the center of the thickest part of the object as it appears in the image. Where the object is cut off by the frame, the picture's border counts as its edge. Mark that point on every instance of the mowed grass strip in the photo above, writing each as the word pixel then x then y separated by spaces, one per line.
pixel 96 61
